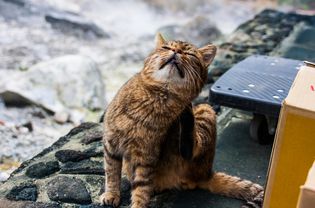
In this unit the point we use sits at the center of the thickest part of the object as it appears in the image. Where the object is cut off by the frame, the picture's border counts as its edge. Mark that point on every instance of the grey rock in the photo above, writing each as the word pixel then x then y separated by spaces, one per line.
pixel 239 48
pixel 69 190
pixel 27 204
pixel 77 76
pixel 95 149
pixel 23 192
pixel 69 155
pixel 68 20
pixel 42 169
pixel 83 167
pixel 92 137
pixel 61 117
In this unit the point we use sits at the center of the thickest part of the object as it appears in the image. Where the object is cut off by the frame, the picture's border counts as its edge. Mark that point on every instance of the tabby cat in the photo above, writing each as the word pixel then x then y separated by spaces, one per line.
pixel 154 135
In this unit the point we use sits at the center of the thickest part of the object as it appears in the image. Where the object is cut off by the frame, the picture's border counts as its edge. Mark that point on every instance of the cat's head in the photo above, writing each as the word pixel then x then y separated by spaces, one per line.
pixel 178 64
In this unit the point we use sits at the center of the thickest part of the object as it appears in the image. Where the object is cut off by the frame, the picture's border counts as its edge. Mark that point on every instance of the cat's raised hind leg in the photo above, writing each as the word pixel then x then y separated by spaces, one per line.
pixel 113 166
pixel 232 186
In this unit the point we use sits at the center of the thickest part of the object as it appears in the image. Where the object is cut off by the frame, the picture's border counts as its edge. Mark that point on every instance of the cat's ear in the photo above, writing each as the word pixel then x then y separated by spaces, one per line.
pixel 159 40
pixel 208 53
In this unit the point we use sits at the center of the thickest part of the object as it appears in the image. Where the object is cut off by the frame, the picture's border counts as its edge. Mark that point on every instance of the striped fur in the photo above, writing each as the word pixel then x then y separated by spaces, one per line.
pixel 154 135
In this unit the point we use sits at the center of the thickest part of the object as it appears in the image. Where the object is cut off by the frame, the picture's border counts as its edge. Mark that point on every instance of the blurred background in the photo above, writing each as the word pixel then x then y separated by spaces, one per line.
pixel 62 61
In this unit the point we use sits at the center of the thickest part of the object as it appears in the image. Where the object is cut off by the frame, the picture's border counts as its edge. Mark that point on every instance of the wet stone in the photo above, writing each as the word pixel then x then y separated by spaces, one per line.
pixel 42 169
pixel 83 167
pixel 23 192
pixel 69 190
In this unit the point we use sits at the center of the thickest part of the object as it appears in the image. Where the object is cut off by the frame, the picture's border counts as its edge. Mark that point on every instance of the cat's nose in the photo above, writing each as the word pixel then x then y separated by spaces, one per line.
pixel 177 50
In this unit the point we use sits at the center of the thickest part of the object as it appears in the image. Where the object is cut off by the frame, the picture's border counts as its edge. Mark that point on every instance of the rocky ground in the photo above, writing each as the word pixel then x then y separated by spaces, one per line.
pixel 111 38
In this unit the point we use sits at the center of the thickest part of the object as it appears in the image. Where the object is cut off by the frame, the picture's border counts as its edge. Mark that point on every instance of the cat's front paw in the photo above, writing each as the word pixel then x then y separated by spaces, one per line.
pixel 110 198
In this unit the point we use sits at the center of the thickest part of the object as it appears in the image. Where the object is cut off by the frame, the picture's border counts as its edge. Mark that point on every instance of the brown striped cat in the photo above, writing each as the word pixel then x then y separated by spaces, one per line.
pixel 158 139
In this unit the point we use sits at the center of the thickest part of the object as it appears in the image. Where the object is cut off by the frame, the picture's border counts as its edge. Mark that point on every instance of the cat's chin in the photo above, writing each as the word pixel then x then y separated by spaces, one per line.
pixel 170 72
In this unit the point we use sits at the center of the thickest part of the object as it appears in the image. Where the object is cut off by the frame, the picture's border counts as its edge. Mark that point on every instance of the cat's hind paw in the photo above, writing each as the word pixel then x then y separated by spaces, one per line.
pixel 110 198
pixel 257 202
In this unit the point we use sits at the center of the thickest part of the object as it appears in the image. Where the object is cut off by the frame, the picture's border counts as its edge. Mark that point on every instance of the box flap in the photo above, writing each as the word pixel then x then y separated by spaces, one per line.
pixel 302 92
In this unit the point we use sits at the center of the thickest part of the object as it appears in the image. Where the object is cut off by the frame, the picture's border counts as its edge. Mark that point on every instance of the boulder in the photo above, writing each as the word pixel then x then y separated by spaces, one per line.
pixel 71 83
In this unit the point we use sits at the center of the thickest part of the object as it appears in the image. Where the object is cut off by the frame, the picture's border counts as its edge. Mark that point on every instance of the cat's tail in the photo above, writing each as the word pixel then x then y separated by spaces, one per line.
pixel 232 186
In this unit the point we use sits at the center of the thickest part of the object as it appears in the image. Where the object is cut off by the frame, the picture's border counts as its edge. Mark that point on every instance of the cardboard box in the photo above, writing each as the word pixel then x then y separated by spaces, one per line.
pixel 294 147
pixel 307 193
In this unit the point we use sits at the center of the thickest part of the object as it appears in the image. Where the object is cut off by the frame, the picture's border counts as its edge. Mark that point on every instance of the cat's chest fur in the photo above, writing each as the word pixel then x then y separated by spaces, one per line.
pixel 141 114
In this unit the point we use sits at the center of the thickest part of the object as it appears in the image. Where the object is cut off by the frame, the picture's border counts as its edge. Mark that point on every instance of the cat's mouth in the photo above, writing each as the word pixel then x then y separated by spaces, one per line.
pixel 174 62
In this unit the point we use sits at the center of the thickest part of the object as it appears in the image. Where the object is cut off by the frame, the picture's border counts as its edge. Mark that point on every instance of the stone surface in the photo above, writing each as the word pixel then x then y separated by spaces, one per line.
pixel 26 204
pixel 93 137
pixel 79 184
pixel 77 76
pixel 299 44
pixel 83 167
pixel 42 169
pixel 68 189
pixel 63 20
pixel 23 192
pixel 70 155
pixel 17 2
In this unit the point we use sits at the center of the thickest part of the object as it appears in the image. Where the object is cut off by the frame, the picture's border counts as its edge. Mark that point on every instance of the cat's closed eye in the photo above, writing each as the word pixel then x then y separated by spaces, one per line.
pixel 191 54
pixel 166 47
